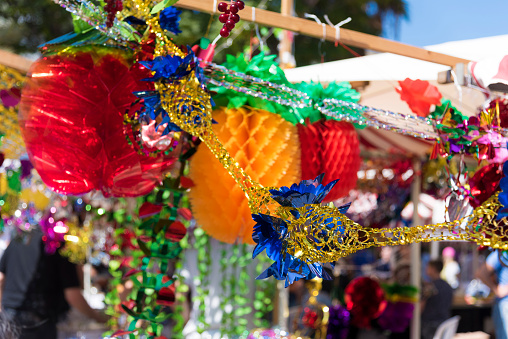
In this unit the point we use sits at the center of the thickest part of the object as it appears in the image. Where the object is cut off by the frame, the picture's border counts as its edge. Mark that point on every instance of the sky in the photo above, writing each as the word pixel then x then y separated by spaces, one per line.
pixel 436 21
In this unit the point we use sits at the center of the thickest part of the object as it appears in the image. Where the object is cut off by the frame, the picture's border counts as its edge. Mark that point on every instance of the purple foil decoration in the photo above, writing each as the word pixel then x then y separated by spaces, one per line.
pixel 338 324
pixel 11 97
pixel 26 168
pixel 396 316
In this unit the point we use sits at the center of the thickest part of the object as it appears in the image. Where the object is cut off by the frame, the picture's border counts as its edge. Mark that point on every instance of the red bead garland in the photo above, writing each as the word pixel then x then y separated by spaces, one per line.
pixel 112 7
pixel 229 17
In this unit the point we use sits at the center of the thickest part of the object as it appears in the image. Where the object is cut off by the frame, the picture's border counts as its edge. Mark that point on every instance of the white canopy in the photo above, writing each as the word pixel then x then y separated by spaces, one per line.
pixel 383 70
pixel 387 66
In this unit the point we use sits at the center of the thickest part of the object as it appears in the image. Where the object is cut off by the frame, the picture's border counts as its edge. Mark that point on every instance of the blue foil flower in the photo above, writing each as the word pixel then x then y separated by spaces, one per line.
pixel 304 193
pixel 170 67
pixel 170 20
pixel 503 195
pixel 152 109
pixel 271 233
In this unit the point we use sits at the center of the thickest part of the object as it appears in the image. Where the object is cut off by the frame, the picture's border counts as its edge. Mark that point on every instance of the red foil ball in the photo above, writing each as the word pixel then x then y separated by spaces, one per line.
pixel 71 118
pixel 485 183
pixel 365 300
pixel 330 147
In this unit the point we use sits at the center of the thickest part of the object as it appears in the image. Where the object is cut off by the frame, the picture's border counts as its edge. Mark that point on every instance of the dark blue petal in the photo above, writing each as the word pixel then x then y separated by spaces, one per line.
pixel 170 19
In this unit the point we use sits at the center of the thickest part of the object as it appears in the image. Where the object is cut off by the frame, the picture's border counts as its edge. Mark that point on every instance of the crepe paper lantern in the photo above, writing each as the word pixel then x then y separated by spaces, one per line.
pixel 260 66
pixel 262 143
pixel 419 95
pixel 365 300
pixel 316 92
pixel 484 183
pixel 330 147
pixel 71 118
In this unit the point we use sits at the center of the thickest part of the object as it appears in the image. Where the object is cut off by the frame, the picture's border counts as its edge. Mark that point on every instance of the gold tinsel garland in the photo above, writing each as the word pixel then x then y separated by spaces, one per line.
pixel 12 142
pixel 321 233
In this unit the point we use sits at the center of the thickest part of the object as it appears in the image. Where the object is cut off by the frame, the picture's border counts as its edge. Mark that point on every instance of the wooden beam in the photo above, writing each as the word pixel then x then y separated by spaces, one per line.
pixel 14 61
pixel 311 28
pixel 286 41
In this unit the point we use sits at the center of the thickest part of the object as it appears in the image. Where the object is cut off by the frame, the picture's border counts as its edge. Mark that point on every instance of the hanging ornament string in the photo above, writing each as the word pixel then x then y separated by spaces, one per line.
pixel 293 220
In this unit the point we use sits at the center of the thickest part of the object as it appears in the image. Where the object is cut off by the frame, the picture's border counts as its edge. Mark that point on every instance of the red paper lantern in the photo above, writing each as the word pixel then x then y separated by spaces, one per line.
pixel 330 147
pixel 71 118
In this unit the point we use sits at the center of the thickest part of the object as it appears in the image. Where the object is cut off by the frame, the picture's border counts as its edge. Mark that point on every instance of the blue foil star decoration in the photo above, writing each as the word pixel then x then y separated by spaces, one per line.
pixel 271 234
pixel 170 67
pixel 503 195
pixel 152 109
pixel 170 20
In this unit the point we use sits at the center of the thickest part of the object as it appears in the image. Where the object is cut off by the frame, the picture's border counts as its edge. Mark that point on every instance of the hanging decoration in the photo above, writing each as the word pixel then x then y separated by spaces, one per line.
pixel 338 323
pixel 330 147
pixel 419 95
pixel 264 145
pixel 77 144
pixel 11 142
pixel 365 301
pixel 398 312
pixel 229 16
pixel 161 230
pixel 320 233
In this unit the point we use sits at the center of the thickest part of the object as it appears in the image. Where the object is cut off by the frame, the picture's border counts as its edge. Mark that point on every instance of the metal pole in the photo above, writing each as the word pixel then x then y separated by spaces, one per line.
pixel 416 263
pixel 283 309
pixel 434 250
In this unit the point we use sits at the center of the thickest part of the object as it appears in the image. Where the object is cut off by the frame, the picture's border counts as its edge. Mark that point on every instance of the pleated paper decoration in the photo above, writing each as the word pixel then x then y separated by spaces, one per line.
pixel 330 147
pixel 265 145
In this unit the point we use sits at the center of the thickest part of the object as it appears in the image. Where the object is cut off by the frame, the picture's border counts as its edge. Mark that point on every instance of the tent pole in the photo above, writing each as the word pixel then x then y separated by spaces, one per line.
pixel 283 306
pixel 416 262
pixel 434 250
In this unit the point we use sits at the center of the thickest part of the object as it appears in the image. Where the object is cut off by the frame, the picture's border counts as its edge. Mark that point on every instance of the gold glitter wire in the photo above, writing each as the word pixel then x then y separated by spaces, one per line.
pixel 320 233
pixel 323 234
pixel 12 142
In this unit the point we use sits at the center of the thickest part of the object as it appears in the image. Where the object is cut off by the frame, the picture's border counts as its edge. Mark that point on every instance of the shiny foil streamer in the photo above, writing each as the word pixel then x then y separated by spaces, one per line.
pixel 12 144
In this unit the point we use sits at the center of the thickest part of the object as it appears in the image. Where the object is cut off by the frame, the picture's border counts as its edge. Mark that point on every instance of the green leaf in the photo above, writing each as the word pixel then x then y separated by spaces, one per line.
pixel 161 5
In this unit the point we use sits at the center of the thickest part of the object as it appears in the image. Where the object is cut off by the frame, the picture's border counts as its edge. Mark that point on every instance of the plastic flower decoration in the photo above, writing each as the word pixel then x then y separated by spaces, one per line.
pixel 153 109
pixel 503 195
pixel 419 95
pixel 170 67
pixel 272 233
pixel 170 20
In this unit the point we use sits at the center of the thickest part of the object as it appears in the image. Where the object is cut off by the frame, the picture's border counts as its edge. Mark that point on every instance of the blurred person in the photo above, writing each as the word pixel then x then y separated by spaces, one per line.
pixel 494 274
pixel 451 268
pixel 36 288
pixel 437 299
pixel 8 329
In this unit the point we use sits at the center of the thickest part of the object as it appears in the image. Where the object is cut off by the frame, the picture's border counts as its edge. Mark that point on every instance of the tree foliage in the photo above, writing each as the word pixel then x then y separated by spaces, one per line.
pixel 25 24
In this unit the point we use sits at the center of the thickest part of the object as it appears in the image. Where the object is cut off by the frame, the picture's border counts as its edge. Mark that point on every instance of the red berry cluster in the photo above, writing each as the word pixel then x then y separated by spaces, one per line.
pixel 229 17
pixel 112 7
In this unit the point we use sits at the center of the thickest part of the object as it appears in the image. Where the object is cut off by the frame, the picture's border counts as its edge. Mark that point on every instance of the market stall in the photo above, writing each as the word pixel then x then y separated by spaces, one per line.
pixel 196 199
